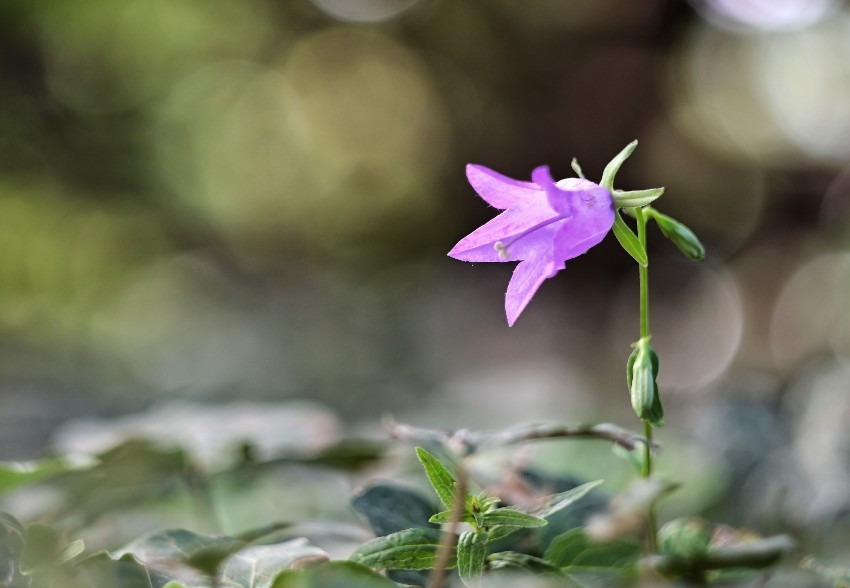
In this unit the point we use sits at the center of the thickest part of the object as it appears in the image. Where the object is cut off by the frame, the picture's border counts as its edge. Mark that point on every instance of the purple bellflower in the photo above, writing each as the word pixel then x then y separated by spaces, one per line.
pixel 543 224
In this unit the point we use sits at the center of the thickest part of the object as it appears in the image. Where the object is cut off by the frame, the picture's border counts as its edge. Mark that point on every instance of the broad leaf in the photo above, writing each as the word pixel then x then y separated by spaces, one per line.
pixel 629 240
pixel 440 477
pixel 614 166
pixel 334 574
pixel 389 508
pixel 44 550
pixel 508 517
pixel 574 549
pixel 101 570
pixel 557 502
pixel 411 549
pixel 257 566
pixel 202 552
pixel 636 198
pixel 471 555
pixel 14 474
pixel 12 540
pixel 512 560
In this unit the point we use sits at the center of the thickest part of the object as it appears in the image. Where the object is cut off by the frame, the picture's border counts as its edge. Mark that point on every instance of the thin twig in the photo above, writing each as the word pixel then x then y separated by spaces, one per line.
pixel 467 442
pixel 447 541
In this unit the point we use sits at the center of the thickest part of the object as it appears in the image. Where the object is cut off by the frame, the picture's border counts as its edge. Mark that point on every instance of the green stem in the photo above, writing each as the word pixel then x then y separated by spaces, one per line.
pixel 646 471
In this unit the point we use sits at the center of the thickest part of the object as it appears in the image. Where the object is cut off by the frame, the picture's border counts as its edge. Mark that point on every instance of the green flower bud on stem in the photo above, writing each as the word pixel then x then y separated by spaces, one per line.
pixel 641 374
pixel 679 234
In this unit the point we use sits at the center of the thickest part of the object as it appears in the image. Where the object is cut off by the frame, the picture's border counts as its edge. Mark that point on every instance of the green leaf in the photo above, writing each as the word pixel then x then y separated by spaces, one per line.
pixel 471 555
pixel 512 560
pixel 629 240
pixel 43 550
pixel 333 574
pixel 685 537
pixel 614 166
pixel 636 198
pixel 443 517
pixel 12 541
pixel 389 508
pixel 202 552
pixel 441 478
pixel 257 566
pixel 411 549
pixel 560 501
pixel 681 236
pixel 641 376
pixel 574 549
pixel 240 564
pixel 508 517
pixel 14 474
pixel 101 570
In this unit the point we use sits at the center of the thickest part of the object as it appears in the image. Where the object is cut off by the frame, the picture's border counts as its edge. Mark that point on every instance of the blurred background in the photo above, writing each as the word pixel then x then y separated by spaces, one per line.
pixel 219 216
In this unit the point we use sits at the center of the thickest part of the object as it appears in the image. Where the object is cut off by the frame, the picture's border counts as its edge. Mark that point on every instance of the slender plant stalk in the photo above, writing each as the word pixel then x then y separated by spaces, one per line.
pixel 447 541
pixel 644 333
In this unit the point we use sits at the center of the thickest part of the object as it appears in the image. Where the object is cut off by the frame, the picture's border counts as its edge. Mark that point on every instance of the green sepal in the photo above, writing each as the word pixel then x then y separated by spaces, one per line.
pixel 629 240
pixel 411 549
pixel 577 168
pixel 441 478
pixel 614 166
pixel 471 555
pixel 641 376
pixel 681 236
pixel 636 198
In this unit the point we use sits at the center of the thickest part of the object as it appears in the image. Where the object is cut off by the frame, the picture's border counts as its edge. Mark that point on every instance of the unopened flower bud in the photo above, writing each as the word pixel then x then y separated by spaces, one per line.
pixel 680 235
pixel 641 374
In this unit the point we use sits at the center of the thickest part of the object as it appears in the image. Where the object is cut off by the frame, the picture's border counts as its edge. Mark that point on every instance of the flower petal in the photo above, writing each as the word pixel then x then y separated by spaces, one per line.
pixel 526 279
pixel 479 245
pixel 498 190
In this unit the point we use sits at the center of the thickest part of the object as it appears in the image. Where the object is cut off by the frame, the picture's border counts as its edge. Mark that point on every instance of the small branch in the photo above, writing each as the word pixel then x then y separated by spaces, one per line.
pixel 447 541
pixel 467 442
pixel 752 554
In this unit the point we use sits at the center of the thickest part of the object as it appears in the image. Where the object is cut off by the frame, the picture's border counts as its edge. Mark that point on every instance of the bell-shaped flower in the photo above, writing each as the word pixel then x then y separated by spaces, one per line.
pixel 544 224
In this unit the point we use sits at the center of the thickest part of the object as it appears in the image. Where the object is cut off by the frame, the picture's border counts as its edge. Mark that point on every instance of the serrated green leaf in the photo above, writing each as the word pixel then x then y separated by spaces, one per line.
pixel 508 517
pixel 629 241
pixel 471 555
pixel 614 166
pixel 636 198
pixel 441 478
pixel 411 549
